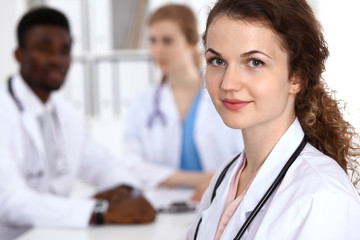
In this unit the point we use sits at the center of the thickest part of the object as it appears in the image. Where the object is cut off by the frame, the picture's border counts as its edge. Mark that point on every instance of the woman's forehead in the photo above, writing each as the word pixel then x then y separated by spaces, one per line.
pixel 235 33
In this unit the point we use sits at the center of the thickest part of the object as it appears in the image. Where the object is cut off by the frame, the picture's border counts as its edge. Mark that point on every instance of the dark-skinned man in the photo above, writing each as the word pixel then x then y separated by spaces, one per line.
pixel 44 147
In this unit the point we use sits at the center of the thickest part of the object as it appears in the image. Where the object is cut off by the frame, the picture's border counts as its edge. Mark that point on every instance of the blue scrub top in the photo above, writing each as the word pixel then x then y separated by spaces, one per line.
pixel 190 159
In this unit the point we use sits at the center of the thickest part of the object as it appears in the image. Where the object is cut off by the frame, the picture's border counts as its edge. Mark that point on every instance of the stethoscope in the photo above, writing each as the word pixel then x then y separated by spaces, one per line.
pixel 267 194
pixel 156 113
pixel 13 96
pixel 61 166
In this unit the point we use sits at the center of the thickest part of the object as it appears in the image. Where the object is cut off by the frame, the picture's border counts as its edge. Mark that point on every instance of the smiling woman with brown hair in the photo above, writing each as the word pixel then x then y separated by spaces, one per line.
pixel 265 59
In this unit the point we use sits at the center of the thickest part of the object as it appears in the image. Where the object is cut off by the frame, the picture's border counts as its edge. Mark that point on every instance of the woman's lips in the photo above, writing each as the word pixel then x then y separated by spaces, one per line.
pixel 234 104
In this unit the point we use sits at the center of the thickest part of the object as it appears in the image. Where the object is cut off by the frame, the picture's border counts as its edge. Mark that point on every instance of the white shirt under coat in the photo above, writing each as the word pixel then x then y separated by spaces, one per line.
pixel 29 195
pixel 315 200
pixel 154 153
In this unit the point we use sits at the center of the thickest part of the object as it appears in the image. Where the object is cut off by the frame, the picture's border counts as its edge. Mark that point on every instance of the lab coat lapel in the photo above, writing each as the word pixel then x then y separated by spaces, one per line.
pixel 213 214
pixel 264 178
pixel 34 153
pixel 64 121
pixel 173 125
pixel 28 114
pixel 268 173
pixel 273 164
pixel 31 128
pixel 168 103
pixel 71 133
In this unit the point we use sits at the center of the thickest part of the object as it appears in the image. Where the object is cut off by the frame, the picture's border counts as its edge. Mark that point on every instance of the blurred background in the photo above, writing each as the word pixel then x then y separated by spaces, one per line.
pixel 111 64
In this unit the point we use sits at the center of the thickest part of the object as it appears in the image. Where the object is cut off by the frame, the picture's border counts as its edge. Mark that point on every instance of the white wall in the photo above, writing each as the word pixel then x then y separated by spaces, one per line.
pixel 340 22
pixel 10 12
pixel 201 8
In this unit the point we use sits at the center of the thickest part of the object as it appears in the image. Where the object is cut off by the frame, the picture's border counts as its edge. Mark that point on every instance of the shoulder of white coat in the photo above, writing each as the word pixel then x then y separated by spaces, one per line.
pixel 10 120
pixel 314 172
pixel 8 107
pixel 314 185
pixel 140 107
pixel 144 99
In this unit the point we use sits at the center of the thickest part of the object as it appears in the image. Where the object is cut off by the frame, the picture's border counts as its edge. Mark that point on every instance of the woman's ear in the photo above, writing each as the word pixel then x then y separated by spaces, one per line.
pixel 295 84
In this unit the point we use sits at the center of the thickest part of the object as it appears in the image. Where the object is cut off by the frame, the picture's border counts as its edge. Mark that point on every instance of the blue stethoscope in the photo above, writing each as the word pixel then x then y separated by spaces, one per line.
pixel 267 194
pixel 61 166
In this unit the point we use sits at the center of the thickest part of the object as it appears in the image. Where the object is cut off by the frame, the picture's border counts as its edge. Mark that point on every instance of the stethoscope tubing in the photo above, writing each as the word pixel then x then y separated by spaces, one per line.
pixel 156 109
pixel 13 96
pixel 63 163
pixel 271 189
pixel 267 194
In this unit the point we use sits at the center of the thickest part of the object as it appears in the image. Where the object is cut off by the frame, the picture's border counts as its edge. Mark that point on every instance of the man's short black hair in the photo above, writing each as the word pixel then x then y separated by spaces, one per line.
pixel 40 16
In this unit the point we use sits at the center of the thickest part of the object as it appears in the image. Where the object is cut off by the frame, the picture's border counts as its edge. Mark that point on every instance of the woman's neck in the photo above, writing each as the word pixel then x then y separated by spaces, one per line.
pixel 185 84
pixel 185 78
pixel 259 141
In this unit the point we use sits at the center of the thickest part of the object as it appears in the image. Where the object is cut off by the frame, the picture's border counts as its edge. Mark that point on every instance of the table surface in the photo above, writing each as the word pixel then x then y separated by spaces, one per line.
pixel 165 226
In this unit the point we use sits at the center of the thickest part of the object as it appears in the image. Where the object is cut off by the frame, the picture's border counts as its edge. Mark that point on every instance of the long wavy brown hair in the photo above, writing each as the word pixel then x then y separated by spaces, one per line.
pixel 319 113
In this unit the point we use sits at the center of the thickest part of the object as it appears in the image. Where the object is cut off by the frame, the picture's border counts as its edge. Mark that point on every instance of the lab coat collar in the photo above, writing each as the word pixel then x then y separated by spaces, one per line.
pixel 170 104
pixel 264 178
pixel 215 212
pixel 33 107
pixel 173 126
pixel 273 165
pixel 31 103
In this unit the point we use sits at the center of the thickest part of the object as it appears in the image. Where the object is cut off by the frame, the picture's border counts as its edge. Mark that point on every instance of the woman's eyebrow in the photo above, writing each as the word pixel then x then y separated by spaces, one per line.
pixel 246 54
pixel 213 51
pixel 249 53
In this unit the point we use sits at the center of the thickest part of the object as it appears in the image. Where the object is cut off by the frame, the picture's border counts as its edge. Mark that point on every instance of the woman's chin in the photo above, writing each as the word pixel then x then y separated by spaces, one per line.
pixel 232 123
pixel 164 68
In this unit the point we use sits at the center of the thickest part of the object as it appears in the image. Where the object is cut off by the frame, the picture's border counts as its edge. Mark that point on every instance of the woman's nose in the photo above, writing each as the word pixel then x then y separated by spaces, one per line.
pixel 156 48
pixel 232 78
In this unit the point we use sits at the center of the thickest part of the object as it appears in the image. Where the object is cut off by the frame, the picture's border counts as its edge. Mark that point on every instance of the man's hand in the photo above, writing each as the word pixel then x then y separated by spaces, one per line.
pixel 126 205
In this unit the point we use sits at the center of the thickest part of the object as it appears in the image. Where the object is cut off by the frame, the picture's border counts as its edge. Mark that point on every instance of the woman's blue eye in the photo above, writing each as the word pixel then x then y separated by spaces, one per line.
pixel 255 63
pixel 217 62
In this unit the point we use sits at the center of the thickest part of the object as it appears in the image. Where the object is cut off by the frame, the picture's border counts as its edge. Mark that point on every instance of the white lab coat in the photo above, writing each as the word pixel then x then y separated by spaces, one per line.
pixel 316 199
pixel 29 199
pixel 154 153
